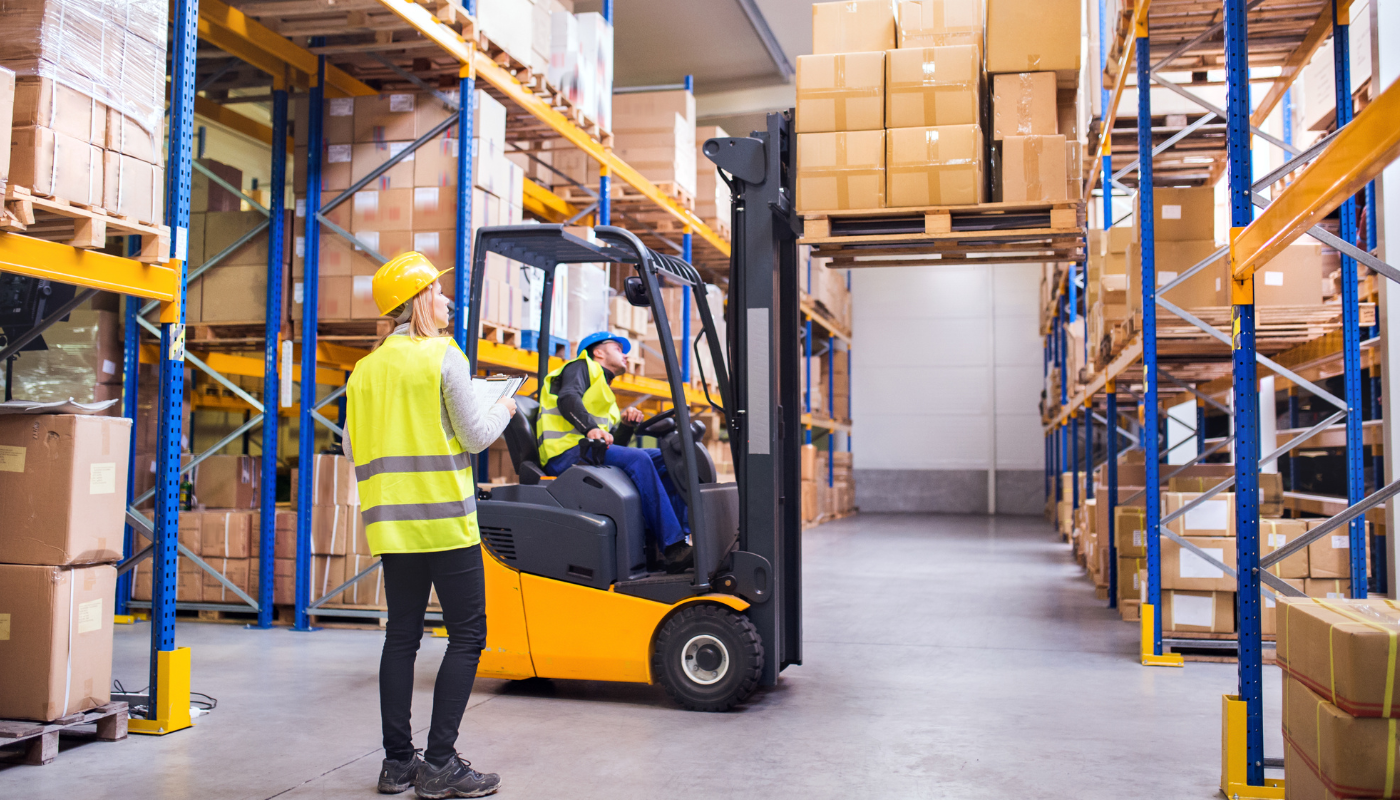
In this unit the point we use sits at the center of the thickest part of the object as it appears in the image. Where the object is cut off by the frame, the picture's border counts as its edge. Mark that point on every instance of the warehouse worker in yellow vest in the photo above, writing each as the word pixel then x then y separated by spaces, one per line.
pixel 577 403
pixel 412 420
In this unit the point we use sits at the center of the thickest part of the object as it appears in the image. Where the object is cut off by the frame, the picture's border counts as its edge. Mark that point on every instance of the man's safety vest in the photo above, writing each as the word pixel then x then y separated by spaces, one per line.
pixel 556 434
pixel 415 479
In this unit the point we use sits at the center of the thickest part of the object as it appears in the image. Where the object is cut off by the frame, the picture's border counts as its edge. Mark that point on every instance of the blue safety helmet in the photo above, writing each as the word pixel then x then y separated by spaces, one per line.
pixel 603 336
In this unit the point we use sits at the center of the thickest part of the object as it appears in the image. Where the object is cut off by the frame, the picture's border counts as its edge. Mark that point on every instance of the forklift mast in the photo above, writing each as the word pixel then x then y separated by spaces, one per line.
pixel 764 340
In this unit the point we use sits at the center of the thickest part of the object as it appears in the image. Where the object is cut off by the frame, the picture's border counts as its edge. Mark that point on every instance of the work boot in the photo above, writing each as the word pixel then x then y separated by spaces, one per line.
pixel 398 776
pixel 678 557
pixel 456 778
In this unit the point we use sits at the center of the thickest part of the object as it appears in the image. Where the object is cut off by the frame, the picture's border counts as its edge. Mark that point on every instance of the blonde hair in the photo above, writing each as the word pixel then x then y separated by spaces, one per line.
pixel 421 322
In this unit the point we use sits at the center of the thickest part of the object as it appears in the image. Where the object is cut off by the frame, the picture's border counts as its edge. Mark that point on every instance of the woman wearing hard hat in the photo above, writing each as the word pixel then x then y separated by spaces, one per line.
pixel 412 420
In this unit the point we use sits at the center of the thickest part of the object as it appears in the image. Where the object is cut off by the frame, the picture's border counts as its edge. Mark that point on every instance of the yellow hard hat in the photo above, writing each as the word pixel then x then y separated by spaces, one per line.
pixel 401 278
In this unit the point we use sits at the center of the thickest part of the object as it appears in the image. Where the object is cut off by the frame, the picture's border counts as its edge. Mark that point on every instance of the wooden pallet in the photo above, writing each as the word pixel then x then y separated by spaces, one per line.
pixel 525 127
pixel 624 196
pixel 933 235
pixel 500 334
pixel 84 226
pixel 42 737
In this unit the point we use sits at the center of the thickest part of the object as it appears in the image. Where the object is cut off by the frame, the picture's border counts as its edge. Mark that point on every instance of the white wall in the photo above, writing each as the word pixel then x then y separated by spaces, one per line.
pixel 922 368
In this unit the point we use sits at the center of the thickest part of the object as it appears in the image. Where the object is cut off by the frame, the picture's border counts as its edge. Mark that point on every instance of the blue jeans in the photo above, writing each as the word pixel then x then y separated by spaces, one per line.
pixel 662 507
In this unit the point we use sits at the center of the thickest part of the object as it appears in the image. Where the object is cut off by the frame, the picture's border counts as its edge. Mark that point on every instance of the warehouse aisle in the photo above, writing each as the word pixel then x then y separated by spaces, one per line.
pixel 957 657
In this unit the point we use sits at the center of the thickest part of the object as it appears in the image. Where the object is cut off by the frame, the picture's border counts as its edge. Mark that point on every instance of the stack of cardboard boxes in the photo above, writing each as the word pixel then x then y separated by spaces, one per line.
pixel 579 48
pixel 62 486
pixel 83 361
pixel 237 286
pixel 339 549
pixel 88 101
pixel 828 488
pixel 654 132
pixel 712 199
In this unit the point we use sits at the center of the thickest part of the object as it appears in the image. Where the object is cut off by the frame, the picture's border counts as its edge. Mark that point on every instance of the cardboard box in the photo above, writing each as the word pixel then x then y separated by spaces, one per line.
pixel 1181 214
pixel 333 481
pixel 53 165
pixel 1291 278
pixel 1330 556
pixel 126 136
pixel 390 210
pixel 330 528
pixel 57 642
pixel 1130 578
pixel 327 573
pixel 1129 523
pixel 1184 569
pixel 368 590
pixel 1268 610
pixel 7 107
pixel 1203 612
pixel 853 26
pixel 1342 648
pixel 239 573
pixel 938 166
pixel 45 103
pixel 841 92
pixel 928 86
pixel 1327 588
pixel 366 157
pixel 228 481
pixel 386 117
pixel 222 229
pixel 809 462
pixel 1033 169
pixel 940 23
pixel 1214 517
pixel 226 534
pixel 63 488
pixel 840 170
pixel 1274 534
pixel 1342 754
pixel 434 208
pixel 1023 104
pixel 284 583
pixel 386 243
pixel 206 195
pixel 241 293
pixel 1034 36
pixel 1209 287
pixel 435 163
pixel 133 188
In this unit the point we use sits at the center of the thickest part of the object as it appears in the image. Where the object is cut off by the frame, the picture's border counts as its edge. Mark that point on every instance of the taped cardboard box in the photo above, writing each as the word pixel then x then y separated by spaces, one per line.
pixel 853 26
pixel 367 591
pixel 228 482
pixel 366 157
pixel 53 165
pixel 56 646
pixel 1351 756
pixel 126 136
pixel 1291 278
pixel 1343 649
pixel 1033 169
pixel 238 571
pixel 1023 104
pixel 1268 610
pixel 388 210
pixel 1181 214
pixel 1185 569
pixel 1130 577
pixel 1327 588
pixel 934 166
pixel 1035 36
pixel 1214 517
pixel 1273 535
pixel 327 573
pixel 941 23
pixel 930 86
pixel 63 488
pixel 46 103
pixel 841 92
pixel 331 528
pixel 1330 556
pixel 132 187
pixel 284 581
pixel 1201 612
pixel 844 170
pixel 226 534
pixel 386 117
pixel 332 479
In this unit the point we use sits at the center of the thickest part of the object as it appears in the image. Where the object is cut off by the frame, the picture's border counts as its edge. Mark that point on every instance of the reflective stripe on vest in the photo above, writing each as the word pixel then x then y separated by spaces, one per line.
pixel 553 431
pixel 415 481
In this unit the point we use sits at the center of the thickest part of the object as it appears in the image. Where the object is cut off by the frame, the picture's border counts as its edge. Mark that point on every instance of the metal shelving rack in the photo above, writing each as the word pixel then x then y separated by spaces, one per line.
pixel 1328 176
pixel 838 345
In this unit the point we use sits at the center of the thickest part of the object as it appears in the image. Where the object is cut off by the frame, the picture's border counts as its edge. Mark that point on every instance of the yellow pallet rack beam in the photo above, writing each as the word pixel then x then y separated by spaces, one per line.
pixel 38 258
pixel 1131 354
pixel 233 120
pixel 235 33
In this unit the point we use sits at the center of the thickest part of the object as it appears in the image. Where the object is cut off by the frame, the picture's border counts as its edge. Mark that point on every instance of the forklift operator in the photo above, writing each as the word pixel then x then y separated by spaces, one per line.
pixel 577 403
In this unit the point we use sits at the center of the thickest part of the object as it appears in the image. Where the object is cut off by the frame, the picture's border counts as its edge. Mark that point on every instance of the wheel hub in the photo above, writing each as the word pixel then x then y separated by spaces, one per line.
pixel 704 659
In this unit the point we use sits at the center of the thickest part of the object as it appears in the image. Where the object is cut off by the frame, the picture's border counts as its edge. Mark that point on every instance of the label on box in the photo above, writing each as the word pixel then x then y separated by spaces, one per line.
pixel 301 207
pixel 102 478
pixel 426 241
pixel 366 202
pixel 1165 277
pixel 1171 212
pixel 296 292
pixel 1269 602
pixel 398 147
pixel 11 458
pixel 286 373
pixel 1273 278
pixel 338 154
pixel 1139 538
pixel 1190 609
pixel 182 242
pixel 425 198
pixel 400 103
pixel 90 616
pixel 299 247
pixel 1193 566
pixel 342 106
pixel 1341 542
pixel 109 367
pixel 1278 539
pixel 369 238
pixel 1212 515
pixel 1336 596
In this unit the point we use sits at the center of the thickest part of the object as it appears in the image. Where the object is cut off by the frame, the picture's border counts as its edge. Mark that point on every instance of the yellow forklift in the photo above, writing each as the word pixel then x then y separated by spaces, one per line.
pixel 571 589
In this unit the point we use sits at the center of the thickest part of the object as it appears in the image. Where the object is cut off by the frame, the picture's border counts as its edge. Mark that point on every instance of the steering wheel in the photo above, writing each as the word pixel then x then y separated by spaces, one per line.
pixel 650 426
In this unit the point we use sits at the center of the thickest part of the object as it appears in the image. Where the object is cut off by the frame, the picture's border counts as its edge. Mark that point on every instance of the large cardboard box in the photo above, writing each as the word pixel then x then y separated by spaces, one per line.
pixel 1202 612
pixel 1273 535
pixel 434 209
pixel 53 165
pixel 853 26
pixel 1291 278
pixel 1327 588
pixel 841 92
pixel 222 229
pixel 1129 525
pixel 389 210
pixel 1023 104
pixel 331 526
pixel 1034 36
pixel 1343 649
pixel 239 573
pixel 46 103
pixel 939 23
pixel 1350 756
pixel 1181 214
pixel 1268 610
pixel 1130 577
pixel 843 170
pixel 333 481
pixel 1185 569
pixel 237 292
pixel 939 166
pixel 386 117
pixel 63 488
pixel 133 188
pixel 1303 780
pixel 225 533
pixel 228 481
pixel 662 149
pixel 435 163
pixel 126 136
pixel 55 639
pixel 926 86
pixel 1330 556
pixel 368 590
pixel 1033 169
pixel 1214 517
pixel 1209 287
pixel 366 157
pixel 284 583
pixel 327 572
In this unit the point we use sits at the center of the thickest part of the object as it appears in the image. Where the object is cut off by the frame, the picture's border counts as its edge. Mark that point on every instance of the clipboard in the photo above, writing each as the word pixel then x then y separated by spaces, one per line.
pixel 492 388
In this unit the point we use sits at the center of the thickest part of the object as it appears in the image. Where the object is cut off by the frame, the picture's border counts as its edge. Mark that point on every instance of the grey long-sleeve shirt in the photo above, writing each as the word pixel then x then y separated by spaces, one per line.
pixel 475 428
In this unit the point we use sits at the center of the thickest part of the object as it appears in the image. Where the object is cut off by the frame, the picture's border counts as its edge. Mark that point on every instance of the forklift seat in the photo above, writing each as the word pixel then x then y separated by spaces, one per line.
pixel 520 441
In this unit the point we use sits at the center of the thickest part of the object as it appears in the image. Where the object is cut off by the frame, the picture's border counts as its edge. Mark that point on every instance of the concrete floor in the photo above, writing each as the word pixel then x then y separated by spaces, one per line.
pixel 946 656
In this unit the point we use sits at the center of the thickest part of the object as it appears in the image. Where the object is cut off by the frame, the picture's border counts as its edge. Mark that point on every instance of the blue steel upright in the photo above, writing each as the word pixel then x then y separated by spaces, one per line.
pixel 1111 478
pixel 130 382
pixel 170 403
pixel 1151 444
pixel 311 276
pixel 276 251
pixel 1088 452
pixel 686 239
pixel 1074 459
pixel 466 130
pixel 1351 316
pixel 1246 393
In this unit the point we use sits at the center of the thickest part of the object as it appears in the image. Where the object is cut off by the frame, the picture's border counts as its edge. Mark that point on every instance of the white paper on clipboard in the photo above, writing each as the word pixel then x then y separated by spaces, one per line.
pixel 493 388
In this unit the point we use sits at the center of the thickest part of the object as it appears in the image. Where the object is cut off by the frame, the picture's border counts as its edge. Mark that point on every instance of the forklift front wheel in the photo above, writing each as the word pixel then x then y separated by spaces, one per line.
pixel 708 657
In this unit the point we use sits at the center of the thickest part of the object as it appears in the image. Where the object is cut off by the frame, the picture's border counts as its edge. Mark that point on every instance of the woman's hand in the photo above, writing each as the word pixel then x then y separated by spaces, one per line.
pixel 509 403
pixel 599 433
pixel 632 415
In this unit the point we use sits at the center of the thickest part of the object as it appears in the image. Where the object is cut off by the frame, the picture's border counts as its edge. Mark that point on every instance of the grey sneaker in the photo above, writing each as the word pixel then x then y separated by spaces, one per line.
pixel 398 776
pixel 456 778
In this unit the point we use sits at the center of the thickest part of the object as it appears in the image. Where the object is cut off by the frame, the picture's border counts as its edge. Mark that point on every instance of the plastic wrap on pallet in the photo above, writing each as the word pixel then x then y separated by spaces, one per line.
pixel 588 300
pixel 110 50
pixel 82 362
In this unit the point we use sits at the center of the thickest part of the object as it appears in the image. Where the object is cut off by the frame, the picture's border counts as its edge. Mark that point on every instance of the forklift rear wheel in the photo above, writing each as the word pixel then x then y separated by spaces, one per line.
pixel 708 657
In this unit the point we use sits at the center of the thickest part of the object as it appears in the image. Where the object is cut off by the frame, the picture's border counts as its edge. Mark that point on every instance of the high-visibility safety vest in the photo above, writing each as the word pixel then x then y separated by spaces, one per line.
pixel 415 479
pixel 553 431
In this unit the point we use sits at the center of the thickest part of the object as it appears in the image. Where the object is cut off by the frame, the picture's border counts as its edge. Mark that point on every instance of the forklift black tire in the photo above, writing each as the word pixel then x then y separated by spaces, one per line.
pixel 708 657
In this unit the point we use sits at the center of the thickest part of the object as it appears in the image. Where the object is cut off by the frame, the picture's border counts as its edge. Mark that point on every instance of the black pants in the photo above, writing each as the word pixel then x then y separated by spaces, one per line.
pixel 408 580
